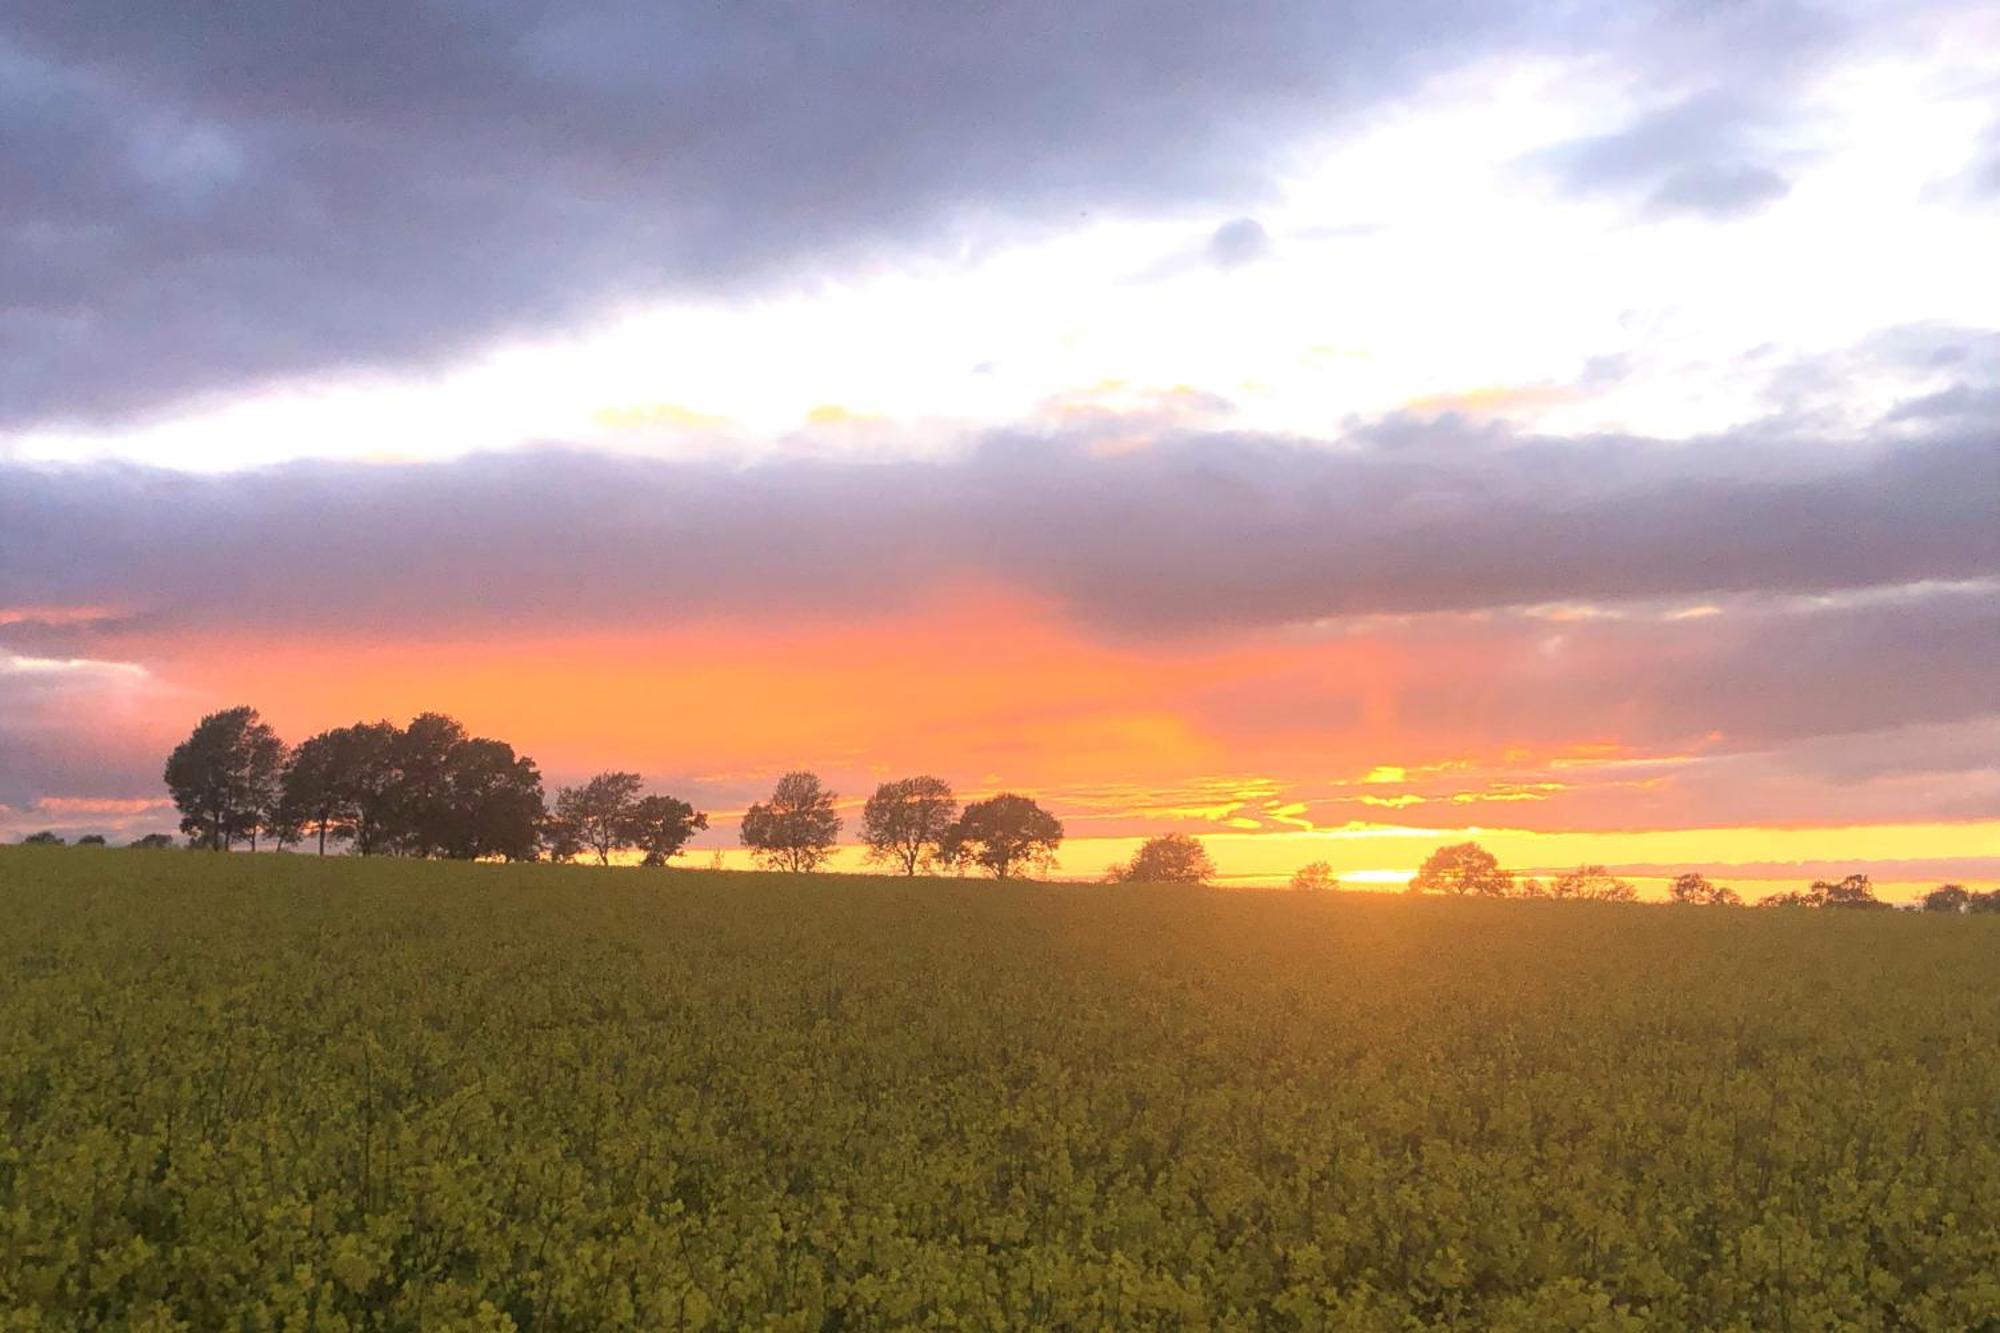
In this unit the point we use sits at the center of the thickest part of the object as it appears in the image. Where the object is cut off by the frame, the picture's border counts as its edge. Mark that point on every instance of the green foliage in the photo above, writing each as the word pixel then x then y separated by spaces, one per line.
pixel 293 1093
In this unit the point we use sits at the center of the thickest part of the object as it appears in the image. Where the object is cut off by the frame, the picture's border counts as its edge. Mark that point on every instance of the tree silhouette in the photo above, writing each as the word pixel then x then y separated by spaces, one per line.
pixel 369 779
pixel 905 822
pixel 1695 890
pixel 1314 876
pixel 660 826
pixel 1592 884
pixel 1002 834
pixel 46 838
pixel 421 810
pixel 1171 858
pixel 1947 898
pixel 1853 892
pixel 1462 867
pixel 492 804
pixel 318 791
pixel 796 829
pixel 91 840
pixel 599 813
pixel 224 777
pixel 152 842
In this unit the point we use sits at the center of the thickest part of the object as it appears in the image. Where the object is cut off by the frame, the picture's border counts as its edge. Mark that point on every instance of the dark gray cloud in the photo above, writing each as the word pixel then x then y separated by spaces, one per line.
pixel 197 196
pixel 1706 154
pixel 1198 533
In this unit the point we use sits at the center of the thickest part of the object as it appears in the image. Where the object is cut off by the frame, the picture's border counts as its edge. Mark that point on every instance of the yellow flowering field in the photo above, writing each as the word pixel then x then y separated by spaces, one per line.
pixel 275 1092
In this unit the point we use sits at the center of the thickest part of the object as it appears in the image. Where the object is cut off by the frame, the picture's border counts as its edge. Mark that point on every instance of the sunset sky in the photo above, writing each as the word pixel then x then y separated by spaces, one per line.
pixel 1331 429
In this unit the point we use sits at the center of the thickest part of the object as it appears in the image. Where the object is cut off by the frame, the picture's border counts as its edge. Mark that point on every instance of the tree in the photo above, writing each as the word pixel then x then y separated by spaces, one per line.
pixel 599 813
pixel 905 822
pixel 1853 892
pixel 492 804
pixel 421 810
pixel 660 826
pixel 318 791
pixel 795 830
pixel 1695 890
pixel 91 840
pixel 1171 858
pixel 367 780
pixel 46 838
pixel 1592 884
pixel 224 777
pixel 1787 898
pixel 1462 867
pixel 1947 898
pixel 152 842
pixel 1314 876
pixel 1988 901
pixel 1004 833
pixel 561 838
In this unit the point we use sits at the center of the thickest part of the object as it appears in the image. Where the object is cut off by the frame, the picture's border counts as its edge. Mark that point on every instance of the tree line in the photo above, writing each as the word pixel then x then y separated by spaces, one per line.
pixel 1469 869
pixel 432 790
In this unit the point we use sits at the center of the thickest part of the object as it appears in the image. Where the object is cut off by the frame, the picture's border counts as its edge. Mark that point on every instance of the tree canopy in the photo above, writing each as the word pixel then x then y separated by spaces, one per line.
pixel 1462 867
pixel 905 822
pixel 796 829
pixel 225 777
pixel 1171 858
pixel 1004 834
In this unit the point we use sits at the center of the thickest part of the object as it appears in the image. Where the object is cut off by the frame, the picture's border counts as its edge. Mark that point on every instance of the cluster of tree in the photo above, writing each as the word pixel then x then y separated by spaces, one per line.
pixel 1958 898
pixel 427 789
pixel 915 824
pixel 50 838
pixel 609 814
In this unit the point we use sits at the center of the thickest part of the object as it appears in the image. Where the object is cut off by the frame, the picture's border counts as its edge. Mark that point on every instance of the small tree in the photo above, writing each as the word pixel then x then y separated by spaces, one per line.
pixel 796 829
pixel 1853 892
pixel 599 812
pixel 1592 884
pixel 1988 901
pixel 660 826
pixel 1462 867
pixel 91 840
pixel 46 838
pixel 152 842
pixel 1947 898
pixel 1003 834
pixel 1314 876
pixel 905 822
pixel 1171 858
pixel 1695 890
pixel 224 777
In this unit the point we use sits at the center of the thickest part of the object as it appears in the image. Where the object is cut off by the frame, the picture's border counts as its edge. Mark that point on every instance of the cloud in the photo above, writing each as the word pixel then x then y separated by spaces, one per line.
pixel 1706 154
pixel 1238 242
pixel 1197 532
pixel 198 199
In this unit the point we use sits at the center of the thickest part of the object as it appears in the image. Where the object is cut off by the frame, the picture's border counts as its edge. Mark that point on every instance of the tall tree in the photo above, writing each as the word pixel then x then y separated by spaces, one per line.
pixel 492 803
pixel 422 809
pixel 1463 867
pixel 369 781
pixel 1005 834
pixel 224 777
pixel 796 829
pixel 660 826
pixel 1171 858
pixel 905 822
pixel 317 791
pixel 599 813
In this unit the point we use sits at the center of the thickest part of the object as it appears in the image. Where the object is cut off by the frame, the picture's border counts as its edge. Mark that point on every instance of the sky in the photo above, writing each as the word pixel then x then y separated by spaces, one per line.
pixel 1329 429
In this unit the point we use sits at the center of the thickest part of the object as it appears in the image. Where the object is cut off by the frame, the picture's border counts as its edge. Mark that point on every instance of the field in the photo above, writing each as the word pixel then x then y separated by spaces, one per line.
pixel 273 1092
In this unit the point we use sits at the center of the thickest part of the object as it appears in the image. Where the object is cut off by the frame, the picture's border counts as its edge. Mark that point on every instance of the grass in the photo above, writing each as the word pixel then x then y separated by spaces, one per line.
pixel 278 1092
